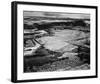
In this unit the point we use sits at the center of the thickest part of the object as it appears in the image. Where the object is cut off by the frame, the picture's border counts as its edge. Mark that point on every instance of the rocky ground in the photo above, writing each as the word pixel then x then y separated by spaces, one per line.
pixel 61 65
pixel 56 44
pixel 64 44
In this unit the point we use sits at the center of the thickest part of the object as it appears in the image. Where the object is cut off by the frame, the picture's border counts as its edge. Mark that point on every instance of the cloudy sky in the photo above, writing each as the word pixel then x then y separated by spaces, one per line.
pixel 56 14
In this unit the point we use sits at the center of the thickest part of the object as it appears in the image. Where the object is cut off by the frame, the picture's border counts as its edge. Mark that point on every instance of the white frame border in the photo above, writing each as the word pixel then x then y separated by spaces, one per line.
pixel 44 75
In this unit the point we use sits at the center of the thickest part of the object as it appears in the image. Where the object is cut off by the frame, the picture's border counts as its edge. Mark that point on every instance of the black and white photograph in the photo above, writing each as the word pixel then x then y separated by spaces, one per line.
pixel 56 41
pixel 53 41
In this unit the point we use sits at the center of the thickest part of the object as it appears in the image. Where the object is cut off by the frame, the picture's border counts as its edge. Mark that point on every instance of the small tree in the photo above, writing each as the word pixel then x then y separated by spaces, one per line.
pixel 79 23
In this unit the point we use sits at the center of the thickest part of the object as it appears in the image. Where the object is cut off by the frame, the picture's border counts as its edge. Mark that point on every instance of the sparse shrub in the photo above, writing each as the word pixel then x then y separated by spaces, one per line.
pixel 79 23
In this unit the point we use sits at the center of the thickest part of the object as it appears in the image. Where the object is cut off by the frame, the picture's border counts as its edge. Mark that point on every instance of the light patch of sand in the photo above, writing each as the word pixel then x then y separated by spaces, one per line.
pixel 59 39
